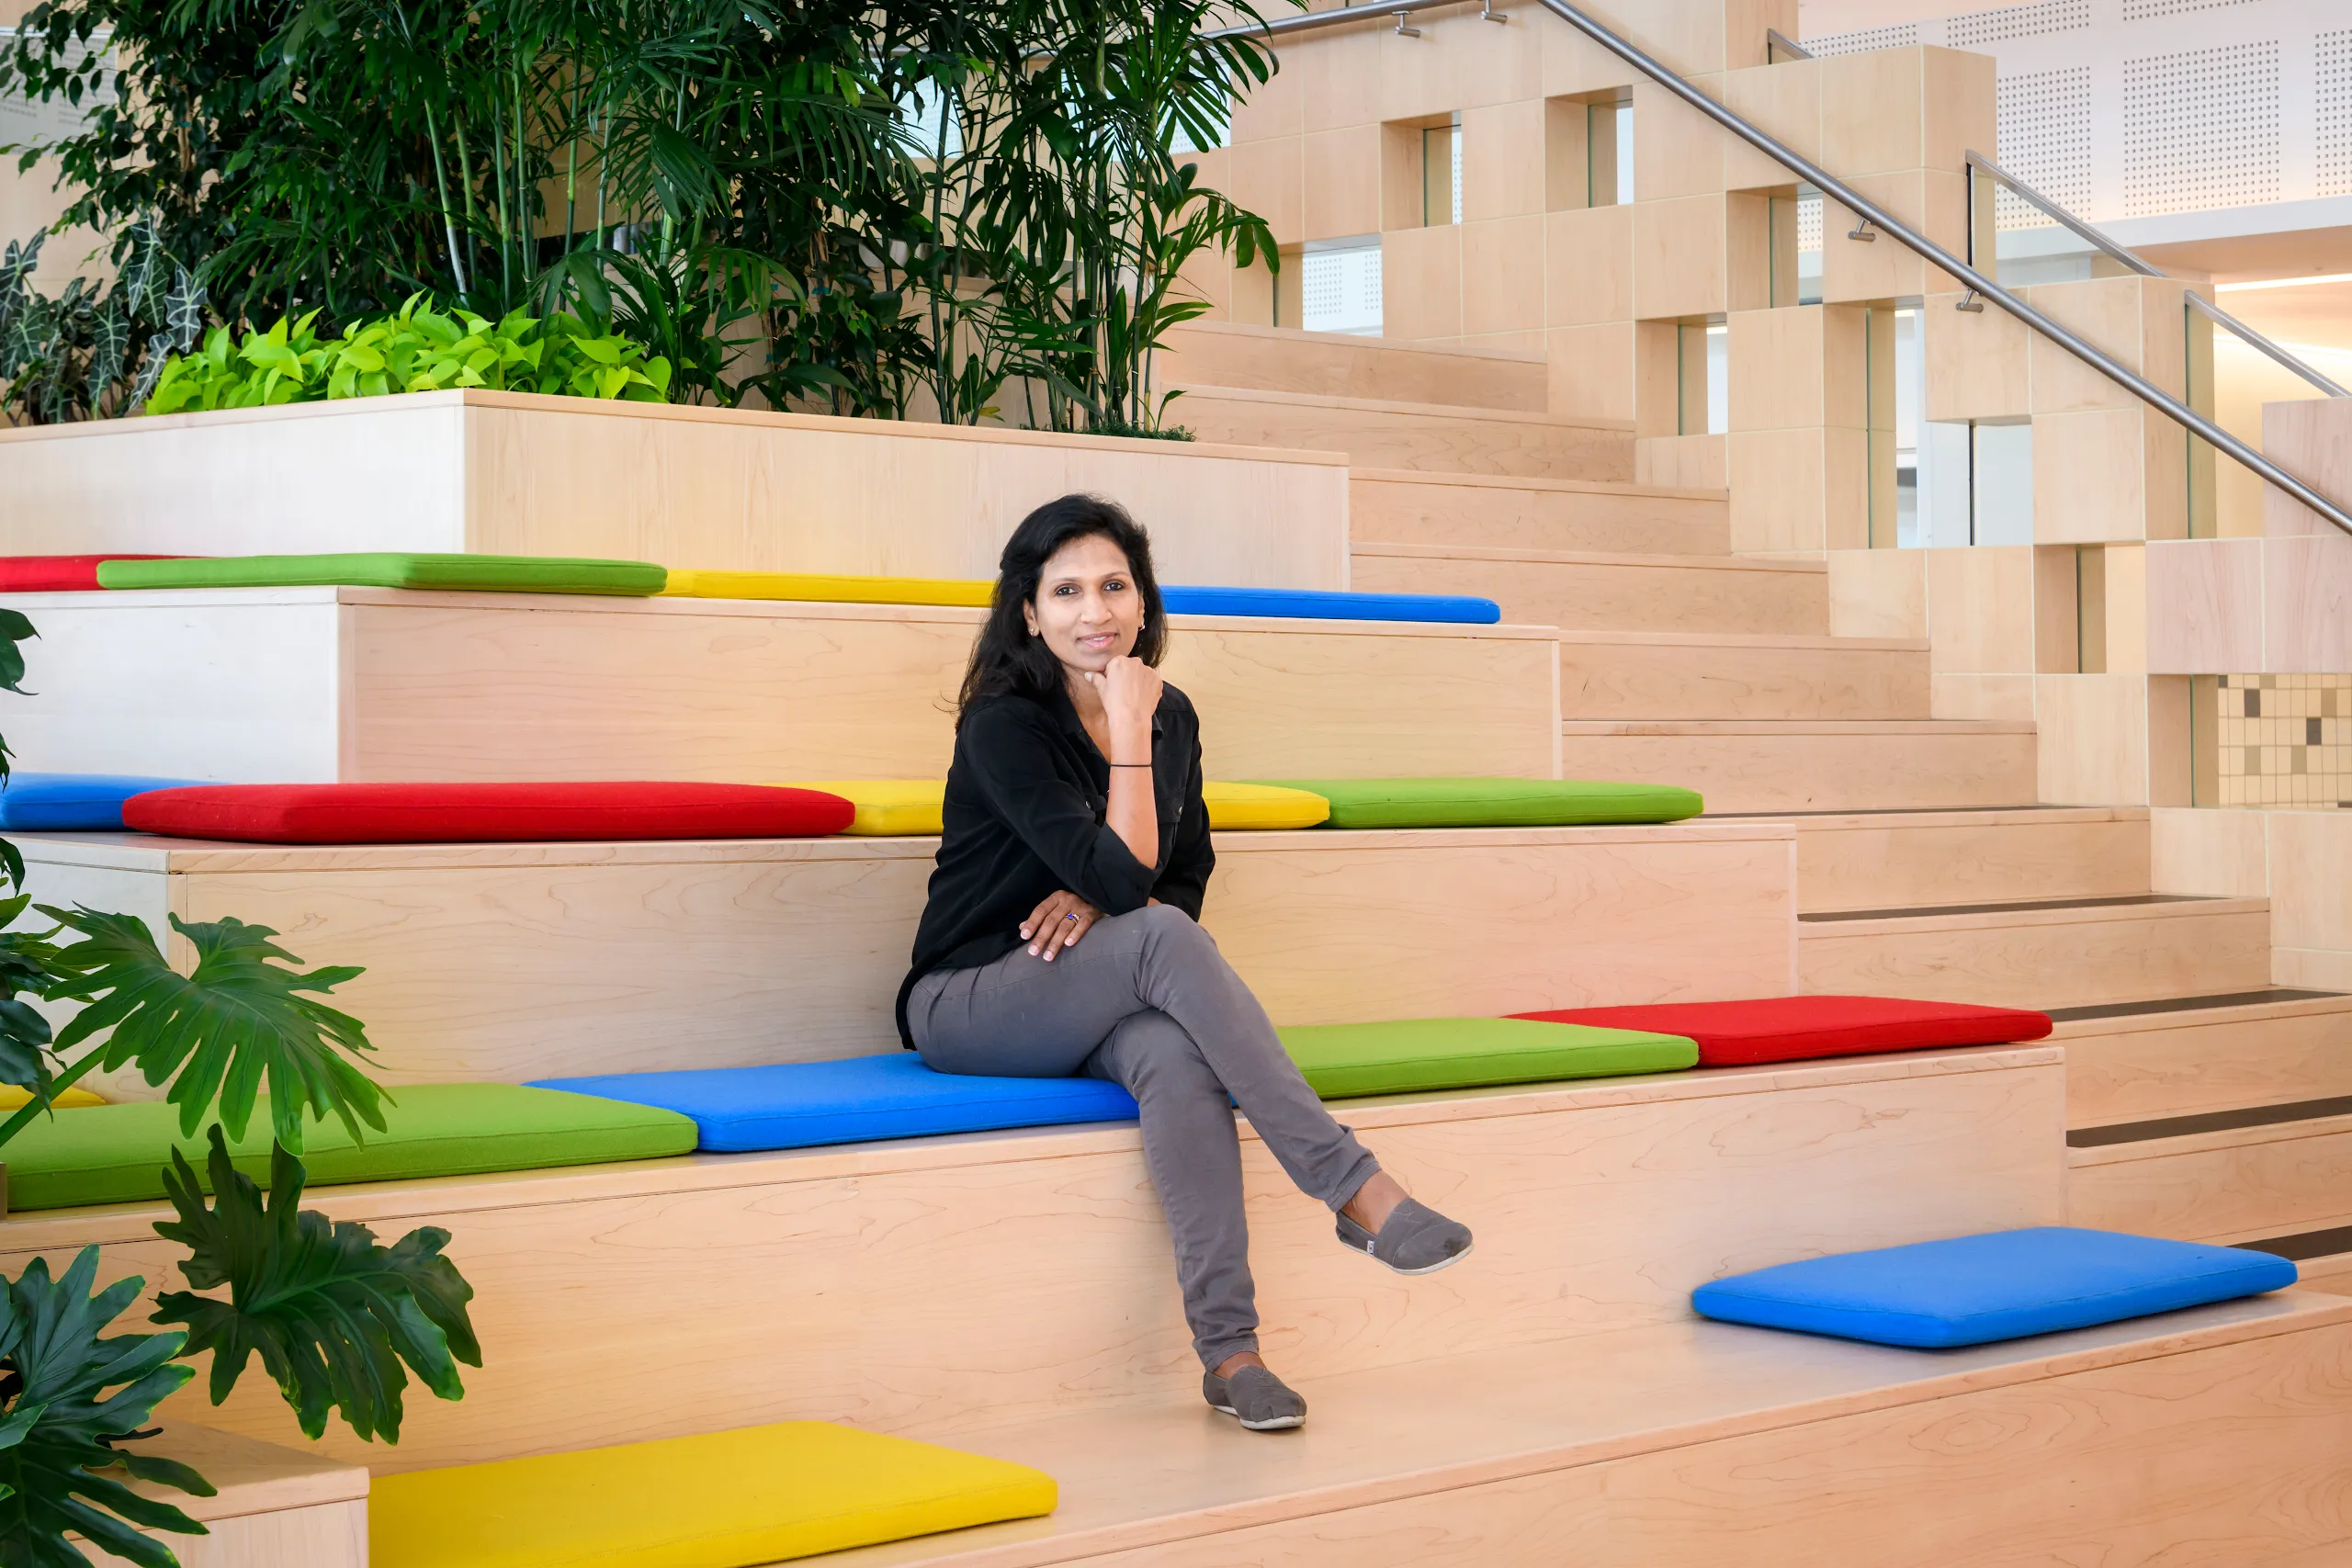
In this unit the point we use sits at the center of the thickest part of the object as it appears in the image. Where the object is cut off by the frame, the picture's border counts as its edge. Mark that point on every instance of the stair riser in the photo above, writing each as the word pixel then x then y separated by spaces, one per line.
pixel 512 965
pixel 1868 864
pixel 1483 516
pixel 1814 771
pixel 2085 1467
pixel 2139 1069
pixel 2265 1186
pixel 1603 596
pixel 1468 443
pixel 234 686
pixel 1018 1277
pixel 2100 957
pixel 1322 366
pixel 1638 681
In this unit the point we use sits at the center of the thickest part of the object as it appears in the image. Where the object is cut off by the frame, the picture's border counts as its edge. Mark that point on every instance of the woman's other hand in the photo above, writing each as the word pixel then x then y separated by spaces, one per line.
pixel 1058 922
pixel 1130 693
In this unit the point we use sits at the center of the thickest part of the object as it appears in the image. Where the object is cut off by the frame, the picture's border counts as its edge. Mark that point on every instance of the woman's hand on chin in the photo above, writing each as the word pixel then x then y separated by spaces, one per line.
pixel 1130 692
pixel 1058 922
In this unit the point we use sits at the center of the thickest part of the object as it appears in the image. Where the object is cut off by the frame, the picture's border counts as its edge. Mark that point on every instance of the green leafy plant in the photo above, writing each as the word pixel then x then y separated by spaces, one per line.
pixel 333 1316
pixel 238 1020
pixel 415 349
pixel 338 1320
pixel 69 1395
pixel 91 352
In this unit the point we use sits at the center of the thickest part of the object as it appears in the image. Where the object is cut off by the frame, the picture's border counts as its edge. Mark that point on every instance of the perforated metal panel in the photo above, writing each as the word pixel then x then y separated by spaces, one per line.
pixel 2200 129
pixel 1339 289
pixel 1978 28
pixel 1866 37
pixel 2046 141
pixel 2332 56
pixel 2152 10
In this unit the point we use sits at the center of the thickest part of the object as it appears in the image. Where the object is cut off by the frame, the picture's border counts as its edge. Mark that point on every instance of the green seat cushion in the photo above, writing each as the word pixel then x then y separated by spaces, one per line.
pixel 1340 1060
pixel 392 568
pixel 1495 803
pixel 116 1154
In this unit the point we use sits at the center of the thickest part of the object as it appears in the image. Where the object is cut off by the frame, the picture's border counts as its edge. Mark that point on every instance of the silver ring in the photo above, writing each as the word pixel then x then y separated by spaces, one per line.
pixel 1071 916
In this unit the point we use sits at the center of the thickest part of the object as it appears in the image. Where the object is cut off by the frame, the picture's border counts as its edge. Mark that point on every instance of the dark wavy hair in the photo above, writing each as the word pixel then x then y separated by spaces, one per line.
pixel 1005 658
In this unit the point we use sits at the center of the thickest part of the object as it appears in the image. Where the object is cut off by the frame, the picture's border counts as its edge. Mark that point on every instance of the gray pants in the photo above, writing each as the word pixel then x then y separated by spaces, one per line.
pixel 1146 1000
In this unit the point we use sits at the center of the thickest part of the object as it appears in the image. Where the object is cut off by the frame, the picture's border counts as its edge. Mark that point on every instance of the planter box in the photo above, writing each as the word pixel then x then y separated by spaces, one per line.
pixel 710 489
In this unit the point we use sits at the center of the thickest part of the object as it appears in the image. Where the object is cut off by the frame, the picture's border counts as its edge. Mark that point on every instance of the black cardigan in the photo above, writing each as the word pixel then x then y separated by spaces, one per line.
pixel 1027 794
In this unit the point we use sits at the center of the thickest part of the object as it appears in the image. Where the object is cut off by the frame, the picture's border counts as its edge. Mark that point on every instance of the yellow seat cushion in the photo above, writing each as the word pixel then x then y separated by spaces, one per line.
pixel 901 807
pixel 1233 806
pixel 831 590
pixel 12 1098
pixel 895 807
pixel 756 1494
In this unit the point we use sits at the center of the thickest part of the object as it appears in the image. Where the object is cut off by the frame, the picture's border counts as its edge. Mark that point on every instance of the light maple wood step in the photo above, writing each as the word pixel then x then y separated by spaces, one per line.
pixel 1340 365
pixel 1878 860
pixel 307 684
pixel 1497 511
pixel 2230 1176
pixel 2187 1056
pixel 2323 1257
pixel 935 1286
pixel 1432 438
pixel 514 961
pixel 1704 1443
pixel 1602 591
pixel 1812 764
pixel 1714 675
pixel 2074 953
pixel 272 1506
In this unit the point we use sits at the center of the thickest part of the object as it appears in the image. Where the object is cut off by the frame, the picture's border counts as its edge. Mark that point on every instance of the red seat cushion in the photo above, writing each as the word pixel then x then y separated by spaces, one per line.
pixel 1791 1029
pixel 58 574
pixel 446 813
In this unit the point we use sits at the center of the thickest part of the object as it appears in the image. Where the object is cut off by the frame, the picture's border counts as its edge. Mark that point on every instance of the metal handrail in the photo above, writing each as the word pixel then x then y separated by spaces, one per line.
pixel 2124 255
pixel 1371 10
pixel 1775 38
pixel 1873 216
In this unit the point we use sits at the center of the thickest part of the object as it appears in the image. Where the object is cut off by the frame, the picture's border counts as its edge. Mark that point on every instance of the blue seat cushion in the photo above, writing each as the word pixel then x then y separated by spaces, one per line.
pixel 1976 1289
pixel 1325 604
pixel 60 803
pixel 800 1105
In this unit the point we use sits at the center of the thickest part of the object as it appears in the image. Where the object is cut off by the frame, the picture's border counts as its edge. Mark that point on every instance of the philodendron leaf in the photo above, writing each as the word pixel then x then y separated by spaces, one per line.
pixel 238 1020
pixel 109 348
pixel 337 1321
pixel 73 1395
pixel 184 309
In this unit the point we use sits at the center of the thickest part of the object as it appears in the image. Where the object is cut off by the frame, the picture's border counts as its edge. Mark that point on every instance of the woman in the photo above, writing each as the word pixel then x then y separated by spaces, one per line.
pixel 1061 934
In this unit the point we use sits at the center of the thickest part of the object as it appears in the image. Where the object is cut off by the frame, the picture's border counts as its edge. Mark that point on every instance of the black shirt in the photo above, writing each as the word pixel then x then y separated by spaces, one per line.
pixel 1024 819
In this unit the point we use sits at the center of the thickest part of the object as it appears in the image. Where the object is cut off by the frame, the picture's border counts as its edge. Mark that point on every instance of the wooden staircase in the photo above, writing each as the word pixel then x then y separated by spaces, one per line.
pixel 1927 866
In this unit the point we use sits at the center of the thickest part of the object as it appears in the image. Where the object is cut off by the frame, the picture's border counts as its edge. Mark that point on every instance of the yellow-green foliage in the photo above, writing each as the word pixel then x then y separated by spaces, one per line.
pixel 417 349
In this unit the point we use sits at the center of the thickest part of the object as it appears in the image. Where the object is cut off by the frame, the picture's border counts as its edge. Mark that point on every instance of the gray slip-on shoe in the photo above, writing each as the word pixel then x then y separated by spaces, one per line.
pixel 1416 1239
pixel 1261 1401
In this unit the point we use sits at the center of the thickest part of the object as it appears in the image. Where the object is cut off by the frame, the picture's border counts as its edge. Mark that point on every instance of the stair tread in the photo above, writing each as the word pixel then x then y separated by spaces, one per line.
pixel 2272 996
pixel 1389 406
pixel 2022 905
pixel 1795 642
pixel 2334 1107
pixel 1137 1477
pixel 1945 816
pixel 1663 561
pixel 1535 482
pixel 1798 726
pixel 2334 1241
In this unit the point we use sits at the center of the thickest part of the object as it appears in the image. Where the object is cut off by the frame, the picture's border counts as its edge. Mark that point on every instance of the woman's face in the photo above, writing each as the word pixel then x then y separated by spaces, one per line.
pixel 1088 608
